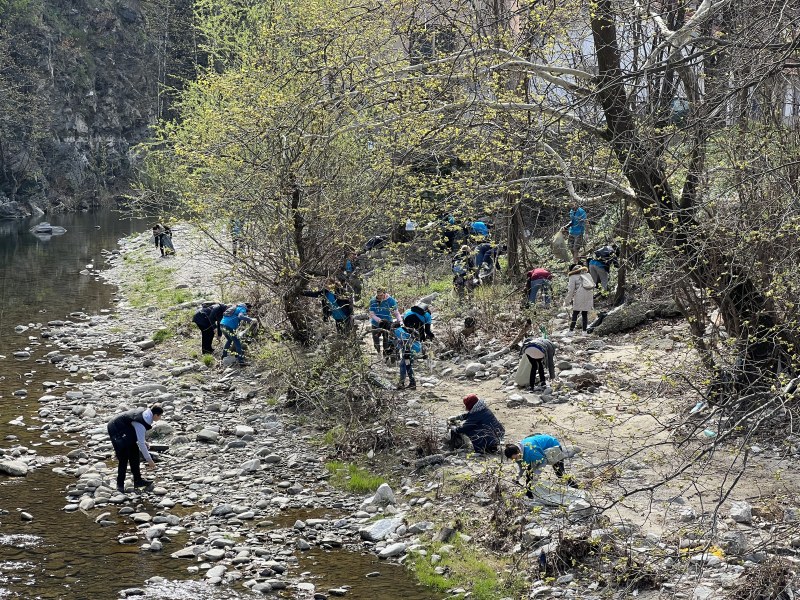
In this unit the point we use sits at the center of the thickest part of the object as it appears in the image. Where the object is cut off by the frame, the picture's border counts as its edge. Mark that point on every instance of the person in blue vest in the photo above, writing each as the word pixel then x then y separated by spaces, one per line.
pixel 419 318
pixel 350 274
pixel 480 425
pixel 576 229
pixel 538 350
pixel 339 306
pixel 208 320
pixel 237 231
pixel 408 347
pixel 127 432
pixel 477 232
pixel 533 453
pixel 231 319
pixel 600 264
pixel 382 307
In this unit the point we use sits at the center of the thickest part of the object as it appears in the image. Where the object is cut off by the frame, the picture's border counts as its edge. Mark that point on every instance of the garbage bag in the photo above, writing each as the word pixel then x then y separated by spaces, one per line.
pixel 559 247
pixel 523 376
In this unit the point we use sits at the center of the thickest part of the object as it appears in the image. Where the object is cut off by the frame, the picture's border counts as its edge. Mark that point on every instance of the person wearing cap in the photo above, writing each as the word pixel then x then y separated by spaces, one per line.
pixel 533 453
pixel 382 307
pixel 127 431
pixel 480 425
pixel 231 319
pixel 538 350
pixel 418 318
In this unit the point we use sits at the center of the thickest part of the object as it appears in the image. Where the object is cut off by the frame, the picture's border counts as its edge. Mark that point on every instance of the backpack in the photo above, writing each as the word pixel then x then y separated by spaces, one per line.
pixel 604 253
pixel 587 282
pixel 230 311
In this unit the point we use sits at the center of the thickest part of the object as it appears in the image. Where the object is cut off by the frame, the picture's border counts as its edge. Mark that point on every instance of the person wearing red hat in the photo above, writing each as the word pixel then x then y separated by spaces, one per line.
pixel 480 425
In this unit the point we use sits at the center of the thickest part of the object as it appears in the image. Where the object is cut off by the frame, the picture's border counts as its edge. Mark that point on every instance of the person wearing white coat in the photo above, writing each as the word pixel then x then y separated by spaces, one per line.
pixel 580 292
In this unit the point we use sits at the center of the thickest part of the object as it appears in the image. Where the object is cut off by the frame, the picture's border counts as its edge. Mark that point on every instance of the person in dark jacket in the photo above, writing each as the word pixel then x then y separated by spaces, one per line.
pixel 479 425
pixel 127 431
pixel 337 304
pixel 208 320
pixel 418 318
pixel 539 350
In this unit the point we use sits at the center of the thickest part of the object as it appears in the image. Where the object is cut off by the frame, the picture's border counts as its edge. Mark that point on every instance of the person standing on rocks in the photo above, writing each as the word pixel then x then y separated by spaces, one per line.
pixel 127 431
pixel 158 240
pixel 538 350
pixel 480 425
pixel 580 293
pixel 576 229
pixel 231 319
pixel 382 307
pixel 408 347
pixel 535 451
pixel 600 265
pixel 208 320
pixel 419 318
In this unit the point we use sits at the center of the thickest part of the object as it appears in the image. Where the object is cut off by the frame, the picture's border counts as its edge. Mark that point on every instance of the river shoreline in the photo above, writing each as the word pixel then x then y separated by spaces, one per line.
pixel 242 502
pixel 232 465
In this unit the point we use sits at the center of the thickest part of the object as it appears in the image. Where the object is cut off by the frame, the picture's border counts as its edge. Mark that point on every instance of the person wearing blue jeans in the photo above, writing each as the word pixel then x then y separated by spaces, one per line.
pixel 231 320
pixel 538 281
pixel 407 347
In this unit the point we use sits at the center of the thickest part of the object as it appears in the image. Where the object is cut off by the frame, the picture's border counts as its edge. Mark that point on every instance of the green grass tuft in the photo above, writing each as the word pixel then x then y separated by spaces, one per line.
pixel 156 287
pixel 353 478
pixel 208 360
pixel 466 567
pixel 162 335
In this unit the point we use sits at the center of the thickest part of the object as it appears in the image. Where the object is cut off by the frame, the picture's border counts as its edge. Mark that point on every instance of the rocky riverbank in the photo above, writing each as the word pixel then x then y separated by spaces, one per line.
pixel 241 492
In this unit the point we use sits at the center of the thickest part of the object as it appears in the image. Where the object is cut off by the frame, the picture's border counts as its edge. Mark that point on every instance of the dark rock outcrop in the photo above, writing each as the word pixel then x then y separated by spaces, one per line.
pixel 80 85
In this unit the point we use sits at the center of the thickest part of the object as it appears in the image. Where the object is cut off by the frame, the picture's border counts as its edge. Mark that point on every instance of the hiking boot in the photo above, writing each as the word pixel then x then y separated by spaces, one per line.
pixel 401 386
pixel 412 385
pixel 121 489
pixel 142 483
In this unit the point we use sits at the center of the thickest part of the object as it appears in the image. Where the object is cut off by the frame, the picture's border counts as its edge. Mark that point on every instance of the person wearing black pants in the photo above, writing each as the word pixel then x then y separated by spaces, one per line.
pixel 580 293
pixel 539 350
pixel 127 431
pixel 208 320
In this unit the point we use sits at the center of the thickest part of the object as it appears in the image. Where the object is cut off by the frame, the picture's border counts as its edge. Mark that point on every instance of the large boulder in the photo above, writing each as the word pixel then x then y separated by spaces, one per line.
pixel 12 209
pixel 629 316
pixel 379 530
pixel 13 468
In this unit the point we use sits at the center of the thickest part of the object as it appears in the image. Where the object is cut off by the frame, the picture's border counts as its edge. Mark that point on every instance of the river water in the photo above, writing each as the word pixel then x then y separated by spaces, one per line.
pixel 67 555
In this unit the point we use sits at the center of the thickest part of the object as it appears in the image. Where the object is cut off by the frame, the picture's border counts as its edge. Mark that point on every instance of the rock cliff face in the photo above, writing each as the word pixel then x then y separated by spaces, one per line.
pixel 80 85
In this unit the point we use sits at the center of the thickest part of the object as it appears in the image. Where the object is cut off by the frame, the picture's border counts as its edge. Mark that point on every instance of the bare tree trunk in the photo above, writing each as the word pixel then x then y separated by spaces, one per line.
pixel 744 307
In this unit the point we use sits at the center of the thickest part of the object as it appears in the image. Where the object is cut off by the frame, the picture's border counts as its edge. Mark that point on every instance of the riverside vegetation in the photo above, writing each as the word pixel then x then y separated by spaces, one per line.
pixel 247 445
pixel 306 128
